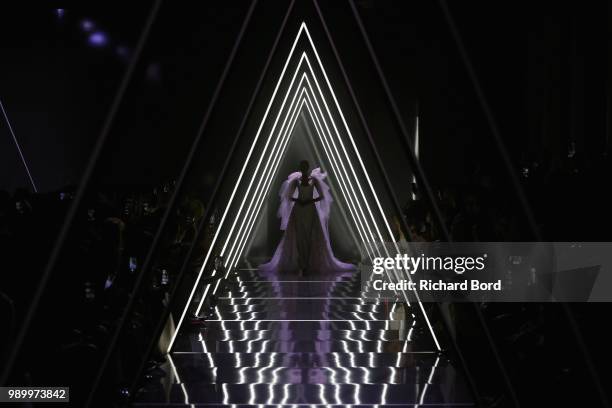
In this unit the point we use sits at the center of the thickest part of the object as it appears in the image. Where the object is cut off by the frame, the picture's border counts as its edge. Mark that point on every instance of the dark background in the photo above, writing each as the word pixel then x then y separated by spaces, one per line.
pixel 542 67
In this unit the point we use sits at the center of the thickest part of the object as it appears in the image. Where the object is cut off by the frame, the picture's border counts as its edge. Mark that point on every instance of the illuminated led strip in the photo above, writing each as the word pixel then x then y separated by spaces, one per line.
pixel 333 161
pixel 385 385
pixel 260 201
pixel 237 258
pixel 267 177
pixel 250 214
pixel 212 245
pixel 242 248
pixel 303 26
pixel 339 159
pixel 241 174
pixel 255 213
pixel 416 152
pixel 341 204
pixel 429 381
pixel 261 157
pixel 334 190
pixel 299 320
pixel 332 156
pixel 274 164
pixel 315 119
pixel 325 143
pixel 264 191
pixel 21 155
pixel 327 147
pixel 347 130
pixel 233 261
pixel 178 380
pixel 335 149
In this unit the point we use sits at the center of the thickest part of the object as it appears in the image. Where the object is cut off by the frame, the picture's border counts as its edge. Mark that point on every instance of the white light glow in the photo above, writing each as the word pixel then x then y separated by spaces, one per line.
pixel 335 150
pixel 278 83
pixel 305 29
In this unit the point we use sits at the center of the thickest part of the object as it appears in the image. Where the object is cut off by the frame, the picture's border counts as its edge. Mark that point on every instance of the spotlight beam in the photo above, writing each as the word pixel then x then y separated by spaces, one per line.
pixel 23 160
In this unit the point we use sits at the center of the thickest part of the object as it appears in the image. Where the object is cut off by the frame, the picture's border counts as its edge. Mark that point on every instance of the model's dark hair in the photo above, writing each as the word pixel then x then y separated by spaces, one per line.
pixel 304 163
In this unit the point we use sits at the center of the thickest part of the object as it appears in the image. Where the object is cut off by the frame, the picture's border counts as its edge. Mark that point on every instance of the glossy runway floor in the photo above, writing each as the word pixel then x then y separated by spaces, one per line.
pixel 306 342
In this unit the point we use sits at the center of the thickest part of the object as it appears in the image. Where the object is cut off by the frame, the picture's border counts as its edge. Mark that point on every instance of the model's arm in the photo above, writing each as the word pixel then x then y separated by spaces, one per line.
pixel 320 191
pixel 293 187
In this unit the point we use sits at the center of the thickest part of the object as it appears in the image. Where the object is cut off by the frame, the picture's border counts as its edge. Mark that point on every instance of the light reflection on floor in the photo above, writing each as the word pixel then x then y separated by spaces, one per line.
pixel 305 343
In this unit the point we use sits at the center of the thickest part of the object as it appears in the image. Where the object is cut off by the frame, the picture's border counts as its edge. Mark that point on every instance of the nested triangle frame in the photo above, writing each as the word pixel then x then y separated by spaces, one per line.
pixel 324 162
pixel 305 95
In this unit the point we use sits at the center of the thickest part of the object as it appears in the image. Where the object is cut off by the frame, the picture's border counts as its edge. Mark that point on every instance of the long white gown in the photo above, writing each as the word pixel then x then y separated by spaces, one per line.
pixel 305 243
